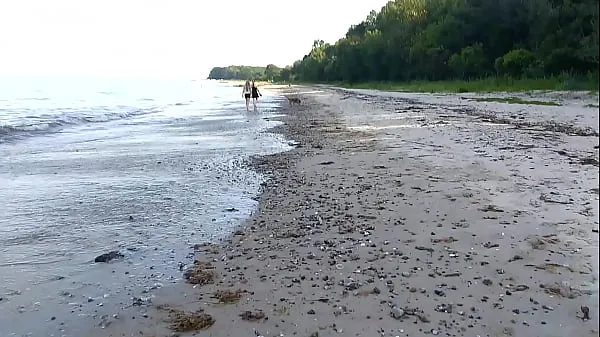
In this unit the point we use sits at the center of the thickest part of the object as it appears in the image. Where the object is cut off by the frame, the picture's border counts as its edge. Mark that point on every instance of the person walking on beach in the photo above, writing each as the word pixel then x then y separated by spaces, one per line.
pixel 246 93
pixel 255 94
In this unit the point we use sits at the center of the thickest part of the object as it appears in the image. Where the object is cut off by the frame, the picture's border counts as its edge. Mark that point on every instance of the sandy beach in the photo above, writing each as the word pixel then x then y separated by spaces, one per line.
pixel 405 215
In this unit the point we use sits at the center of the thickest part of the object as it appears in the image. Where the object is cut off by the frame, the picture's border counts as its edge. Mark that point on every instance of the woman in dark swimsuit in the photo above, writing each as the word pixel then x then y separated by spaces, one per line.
pixel 255 94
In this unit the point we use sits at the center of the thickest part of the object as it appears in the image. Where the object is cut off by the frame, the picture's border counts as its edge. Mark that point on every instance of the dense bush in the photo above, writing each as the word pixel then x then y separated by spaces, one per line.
pixel 460 39
pixel 410 40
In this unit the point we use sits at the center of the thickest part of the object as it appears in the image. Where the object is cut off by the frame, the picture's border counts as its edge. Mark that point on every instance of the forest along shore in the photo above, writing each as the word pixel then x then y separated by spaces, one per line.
pixel 409 215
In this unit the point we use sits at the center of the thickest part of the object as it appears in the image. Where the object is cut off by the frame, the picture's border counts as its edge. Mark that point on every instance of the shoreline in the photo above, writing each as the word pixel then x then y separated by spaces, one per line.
pixel 353 238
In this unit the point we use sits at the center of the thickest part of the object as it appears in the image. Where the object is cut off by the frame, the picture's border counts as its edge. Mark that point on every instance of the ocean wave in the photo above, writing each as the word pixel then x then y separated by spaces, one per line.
pixel 17 124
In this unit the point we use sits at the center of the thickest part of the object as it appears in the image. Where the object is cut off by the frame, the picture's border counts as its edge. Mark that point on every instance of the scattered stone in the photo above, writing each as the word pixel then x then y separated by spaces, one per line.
pixel 520 287
pixel 444 240
pixel 490 245
pixel 253 316
pixel 397 313
pixel 487 282
pixel 491 208
pixel 107 257
pixel 447 308
pixel 515 258
pixel 429 249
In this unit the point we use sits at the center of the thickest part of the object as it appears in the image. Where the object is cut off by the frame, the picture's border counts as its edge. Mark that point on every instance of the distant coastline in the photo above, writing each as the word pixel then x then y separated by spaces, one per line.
pixel 269 73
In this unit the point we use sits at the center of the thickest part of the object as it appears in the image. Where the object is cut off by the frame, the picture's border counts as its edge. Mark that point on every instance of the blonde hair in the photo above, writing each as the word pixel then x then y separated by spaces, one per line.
pixel 247 85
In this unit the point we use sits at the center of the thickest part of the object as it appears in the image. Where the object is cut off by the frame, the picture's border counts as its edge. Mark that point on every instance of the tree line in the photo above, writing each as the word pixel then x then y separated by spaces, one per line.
pixel 269 73
pixel 456 39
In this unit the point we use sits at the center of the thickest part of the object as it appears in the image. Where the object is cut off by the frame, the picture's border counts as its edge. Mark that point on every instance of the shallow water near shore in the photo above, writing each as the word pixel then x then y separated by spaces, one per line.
pixel 145 168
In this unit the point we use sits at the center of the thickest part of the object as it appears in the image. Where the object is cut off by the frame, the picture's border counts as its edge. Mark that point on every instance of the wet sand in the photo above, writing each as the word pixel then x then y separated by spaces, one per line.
pixel 407 215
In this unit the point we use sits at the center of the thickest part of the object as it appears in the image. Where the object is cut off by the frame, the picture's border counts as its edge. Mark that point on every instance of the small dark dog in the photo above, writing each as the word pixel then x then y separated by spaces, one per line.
pixel 293 100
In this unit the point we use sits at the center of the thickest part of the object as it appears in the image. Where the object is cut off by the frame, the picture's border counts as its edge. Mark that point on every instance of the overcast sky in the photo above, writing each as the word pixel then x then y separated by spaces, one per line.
pixel 165 38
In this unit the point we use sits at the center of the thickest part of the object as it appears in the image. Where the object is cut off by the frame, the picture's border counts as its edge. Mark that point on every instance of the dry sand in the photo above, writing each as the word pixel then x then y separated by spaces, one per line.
pixel 409 215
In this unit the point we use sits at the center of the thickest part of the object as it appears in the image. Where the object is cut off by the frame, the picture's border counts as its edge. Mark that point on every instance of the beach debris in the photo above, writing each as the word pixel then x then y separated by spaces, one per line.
pixel 542 242
pixel 289 234
pixel 428 249
pixel 490 245
pixel 586 313
pixel 555 267
pixel 563 290
pixel 105 321
pixel 366 292
pixel 555 198
pixel 547 307
pixel 454 274
pixel 181 321
pixel 447 308
pixel 417 313
pixel 253 316
pixel 515 258
pixel 228 296
pixel 449 239
pixel 107 257
pixel 139 301
pixel 231 209
pixel 491 208
pixel 200 273
pixel 515 288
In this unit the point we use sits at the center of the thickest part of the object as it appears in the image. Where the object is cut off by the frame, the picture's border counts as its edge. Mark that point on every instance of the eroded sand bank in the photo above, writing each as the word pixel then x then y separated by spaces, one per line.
pixel 410 215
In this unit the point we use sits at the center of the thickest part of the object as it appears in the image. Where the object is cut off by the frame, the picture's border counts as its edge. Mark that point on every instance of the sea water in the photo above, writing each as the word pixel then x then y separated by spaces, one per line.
pixel 141 166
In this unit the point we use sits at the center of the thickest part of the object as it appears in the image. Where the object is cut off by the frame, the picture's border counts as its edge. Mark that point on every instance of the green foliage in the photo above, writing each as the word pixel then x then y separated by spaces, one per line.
pixel 489 84
pixel 515 100
pixel 237 73
pixel 415 40
pixel 470 63
pixel 270 73
pixel 515 62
